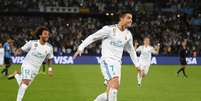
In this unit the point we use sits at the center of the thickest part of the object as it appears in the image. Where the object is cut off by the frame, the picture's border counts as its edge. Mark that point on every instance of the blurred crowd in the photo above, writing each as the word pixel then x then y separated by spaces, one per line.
pixel 165 26
pixel 65 33
pixel 96 5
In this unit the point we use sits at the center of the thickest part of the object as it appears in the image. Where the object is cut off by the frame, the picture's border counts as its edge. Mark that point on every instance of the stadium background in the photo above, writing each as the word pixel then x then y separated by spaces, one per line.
pixel 70 21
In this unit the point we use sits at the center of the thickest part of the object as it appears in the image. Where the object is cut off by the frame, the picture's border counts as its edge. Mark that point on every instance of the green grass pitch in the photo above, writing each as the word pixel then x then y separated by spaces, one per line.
pixel 85 82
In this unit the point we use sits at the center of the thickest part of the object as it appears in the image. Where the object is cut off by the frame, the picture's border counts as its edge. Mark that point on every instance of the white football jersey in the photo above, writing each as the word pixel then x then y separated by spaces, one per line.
pixel 36 53
pixel 1 56
pixel 145 53
pixel 114 42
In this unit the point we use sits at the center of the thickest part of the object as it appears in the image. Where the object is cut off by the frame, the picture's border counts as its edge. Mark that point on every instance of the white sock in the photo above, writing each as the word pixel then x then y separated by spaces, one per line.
pixel 112 96
pixel 18 79
pixel 101 97
pixel 139 78
pixel 21 92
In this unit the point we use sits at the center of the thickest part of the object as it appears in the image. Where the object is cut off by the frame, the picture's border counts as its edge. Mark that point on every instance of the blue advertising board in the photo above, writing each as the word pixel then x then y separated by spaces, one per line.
pixel 125 60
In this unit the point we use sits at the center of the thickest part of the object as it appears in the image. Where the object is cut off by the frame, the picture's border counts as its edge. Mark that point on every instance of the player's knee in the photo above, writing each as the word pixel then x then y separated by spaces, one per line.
pixel 114 83
pixel 143 73
pixel 26 82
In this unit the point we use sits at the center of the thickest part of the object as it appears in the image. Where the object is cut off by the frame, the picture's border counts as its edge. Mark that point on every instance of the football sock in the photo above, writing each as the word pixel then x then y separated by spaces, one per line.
pixel 21 92
pixel 18 78
pixel 139 78
pixel 101 97
pixel 112 96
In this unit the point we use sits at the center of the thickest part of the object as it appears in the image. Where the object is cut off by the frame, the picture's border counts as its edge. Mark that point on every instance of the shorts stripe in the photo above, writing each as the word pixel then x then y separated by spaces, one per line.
pixel 107 70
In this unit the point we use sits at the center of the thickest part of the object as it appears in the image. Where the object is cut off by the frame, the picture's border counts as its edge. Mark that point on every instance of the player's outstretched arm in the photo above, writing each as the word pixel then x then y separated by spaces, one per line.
pixel 77 53
pixel 25 48
pixel 100 34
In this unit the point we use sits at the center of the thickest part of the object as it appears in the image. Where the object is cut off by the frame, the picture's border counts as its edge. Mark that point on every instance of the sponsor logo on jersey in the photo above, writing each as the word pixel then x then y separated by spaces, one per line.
pixel 118 43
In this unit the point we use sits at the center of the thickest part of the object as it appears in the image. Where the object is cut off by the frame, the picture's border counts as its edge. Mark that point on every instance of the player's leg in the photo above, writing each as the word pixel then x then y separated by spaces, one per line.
pixel 113 86
pixel 101 97
pixel 7 65
pixel 22 89
pixel 111 73
pixel 27 75
pixel 114 68
pixel 183 70
pixel 183 66
pixel 17 75
pixel 140 74
pixel 143 72
pixel 139 77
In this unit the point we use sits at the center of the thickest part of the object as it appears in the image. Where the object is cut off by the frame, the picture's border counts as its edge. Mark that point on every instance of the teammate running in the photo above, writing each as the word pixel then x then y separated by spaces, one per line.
pixel 145 59
pixel 37 50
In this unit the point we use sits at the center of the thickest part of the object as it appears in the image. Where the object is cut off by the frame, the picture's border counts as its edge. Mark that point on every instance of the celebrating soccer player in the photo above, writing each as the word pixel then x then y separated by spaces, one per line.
pixel 145 58
pixel 115 39
pixel 37 50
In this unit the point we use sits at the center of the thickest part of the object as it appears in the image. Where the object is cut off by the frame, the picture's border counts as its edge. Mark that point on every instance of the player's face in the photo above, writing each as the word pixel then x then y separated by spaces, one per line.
pixel 10 42
pixel 127 20
pixel 146 41
pixel 45 36
pixel 184 44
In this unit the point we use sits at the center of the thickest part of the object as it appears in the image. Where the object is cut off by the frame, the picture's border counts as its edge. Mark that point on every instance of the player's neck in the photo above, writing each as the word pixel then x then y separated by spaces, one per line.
pixel 41 42
pixel 121 26
pixel 146 45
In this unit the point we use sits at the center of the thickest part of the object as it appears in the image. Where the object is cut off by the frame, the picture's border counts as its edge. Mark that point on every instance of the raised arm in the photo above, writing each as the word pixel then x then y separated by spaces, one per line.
pixel 100 34
pixel 156 50
pixel 25 48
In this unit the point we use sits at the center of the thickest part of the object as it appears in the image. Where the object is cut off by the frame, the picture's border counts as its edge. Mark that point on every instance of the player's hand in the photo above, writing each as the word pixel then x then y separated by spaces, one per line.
pixel 77 53
pixel 50 71
pixel 17 52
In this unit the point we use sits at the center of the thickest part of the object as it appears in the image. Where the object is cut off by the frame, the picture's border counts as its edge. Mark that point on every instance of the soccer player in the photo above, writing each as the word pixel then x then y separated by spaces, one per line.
pixel 115 39
pixel 145 59
pixel 7 56
pixel 37 50
pixel 183 53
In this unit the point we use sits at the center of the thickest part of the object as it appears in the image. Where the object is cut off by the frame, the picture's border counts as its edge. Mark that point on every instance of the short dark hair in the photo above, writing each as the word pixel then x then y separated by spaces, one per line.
pixel 123 13
pixel 40 30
